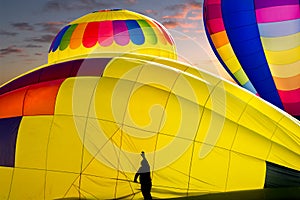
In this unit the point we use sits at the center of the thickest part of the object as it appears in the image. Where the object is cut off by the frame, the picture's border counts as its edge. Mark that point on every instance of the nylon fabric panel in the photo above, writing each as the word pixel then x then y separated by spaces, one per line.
pixel 279 29
pixel 56 42
pixel 160 33
pixel 77 35
pixel 242 78
pixel 59 184
pixel 288 85
pixel 263 125
pixel 236 69
pixel 216 163
pixel 245 172
pixel 114 70
pixel 220 39
pixel 8 137
pixel 120 32
pixel 283 57
pixel 31 150
pixel 105 157
pixel 6 174
pixel 289 70
pixel 246 139
pixel 284 157
pixel 281 43
pixel 71 96
pixel 283 13
pixel 11 103
pixel 66 38
pixel 150 36
pixel 25 186
pixel 177 172
pixel 135 32
pixel 25 80
pixel 64 147
pixel 40 98
pixel 273 3
pixel 90 36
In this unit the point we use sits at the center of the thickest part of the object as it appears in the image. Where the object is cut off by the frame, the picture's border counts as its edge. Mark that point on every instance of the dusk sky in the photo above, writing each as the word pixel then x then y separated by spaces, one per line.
pixel 28 28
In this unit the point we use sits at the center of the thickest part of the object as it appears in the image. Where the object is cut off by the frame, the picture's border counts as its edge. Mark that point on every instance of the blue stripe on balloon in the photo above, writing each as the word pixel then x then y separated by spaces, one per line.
pixel 9 132
pixel 279 29
pixel 57 40
pixel 248 85
pixel 135 32
pixel 240 16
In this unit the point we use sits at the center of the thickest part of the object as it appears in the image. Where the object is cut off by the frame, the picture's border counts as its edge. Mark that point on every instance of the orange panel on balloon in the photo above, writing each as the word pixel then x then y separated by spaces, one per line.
pixel 11 103
pixel 40 98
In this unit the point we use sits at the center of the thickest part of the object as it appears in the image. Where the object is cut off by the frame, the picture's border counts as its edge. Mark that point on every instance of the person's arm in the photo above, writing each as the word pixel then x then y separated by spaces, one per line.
pixel 136 176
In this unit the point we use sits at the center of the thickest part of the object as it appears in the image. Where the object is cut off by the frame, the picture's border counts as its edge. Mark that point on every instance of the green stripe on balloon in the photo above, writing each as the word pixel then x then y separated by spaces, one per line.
pixel 148 31
pixel 66 37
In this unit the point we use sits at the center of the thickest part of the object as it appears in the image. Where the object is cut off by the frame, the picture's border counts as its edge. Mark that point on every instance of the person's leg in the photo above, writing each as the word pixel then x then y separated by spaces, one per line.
pixel 146 191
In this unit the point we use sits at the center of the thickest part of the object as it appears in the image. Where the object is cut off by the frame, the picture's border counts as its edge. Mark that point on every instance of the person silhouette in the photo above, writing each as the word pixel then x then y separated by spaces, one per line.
pixel 145 178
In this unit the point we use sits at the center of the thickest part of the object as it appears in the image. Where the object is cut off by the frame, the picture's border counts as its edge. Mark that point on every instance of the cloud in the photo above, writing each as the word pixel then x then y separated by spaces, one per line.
pixel 152 12
pixel 44 38
pixel 185 16
pixel 171 24
pixel 33 46
pixel 67 5
pixel 8 33
pixel 24 26
pixel 130 1
pixel 10 50
pixel 183 10
pixel 51 27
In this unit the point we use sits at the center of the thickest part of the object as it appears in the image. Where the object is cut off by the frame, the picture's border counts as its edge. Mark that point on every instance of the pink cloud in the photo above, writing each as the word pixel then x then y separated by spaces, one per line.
pixel 9 50
pixel 171 24
pixel 153 12
pixel 182 10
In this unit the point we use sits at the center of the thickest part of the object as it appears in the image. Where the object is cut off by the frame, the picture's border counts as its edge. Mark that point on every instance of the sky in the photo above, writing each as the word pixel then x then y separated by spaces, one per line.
pixel 27 29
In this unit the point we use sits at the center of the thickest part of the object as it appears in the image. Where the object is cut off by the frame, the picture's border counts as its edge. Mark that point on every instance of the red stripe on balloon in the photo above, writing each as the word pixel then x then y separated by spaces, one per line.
pixel 167 36
pixel 90 36
pixel 40 98
pixel 36 99
pixel 291 96
pixel 291 101
pixel 215 26
pixel 292 108
pixel 213 11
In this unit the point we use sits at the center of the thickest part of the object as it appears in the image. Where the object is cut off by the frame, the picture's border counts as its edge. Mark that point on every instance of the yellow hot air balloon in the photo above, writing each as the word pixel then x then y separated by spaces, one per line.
pixel 76 129
pixel 112 32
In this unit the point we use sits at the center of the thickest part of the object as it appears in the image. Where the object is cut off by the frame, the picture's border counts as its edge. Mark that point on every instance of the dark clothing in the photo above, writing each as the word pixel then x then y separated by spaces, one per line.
pixel 145 181
pixel 146 190
pixel 144 177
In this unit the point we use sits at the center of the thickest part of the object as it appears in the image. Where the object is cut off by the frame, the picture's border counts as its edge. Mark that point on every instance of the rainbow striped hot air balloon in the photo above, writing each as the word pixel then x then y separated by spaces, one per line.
pixel 112 32
pixel 258 42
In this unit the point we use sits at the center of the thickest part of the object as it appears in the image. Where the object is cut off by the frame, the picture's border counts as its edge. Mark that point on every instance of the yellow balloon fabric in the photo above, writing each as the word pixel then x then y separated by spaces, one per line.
pixel 200 134
pixel 112 32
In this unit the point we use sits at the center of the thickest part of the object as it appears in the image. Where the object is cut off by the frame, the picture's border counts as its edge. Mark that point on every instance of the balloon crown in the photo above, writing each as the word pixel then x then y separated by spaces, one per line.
pixel 111 32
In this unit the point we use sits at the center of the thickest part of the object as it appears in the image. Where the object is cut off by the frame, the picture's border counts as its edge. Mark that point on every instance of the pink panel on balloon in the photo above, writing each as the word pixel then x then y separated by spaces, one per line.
pixel 105 33
pixel 278 13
